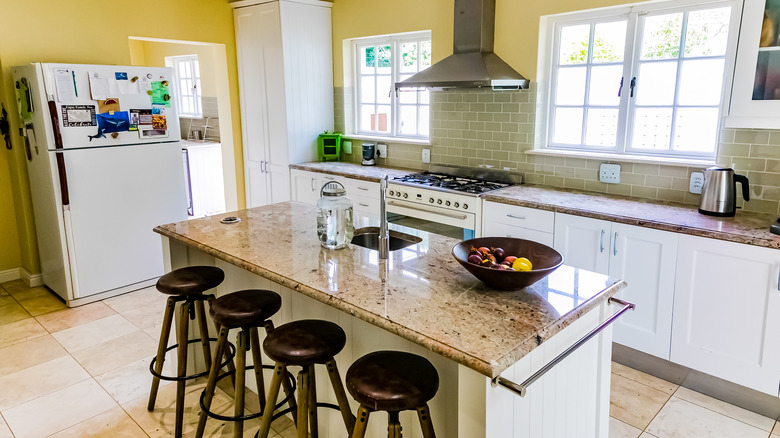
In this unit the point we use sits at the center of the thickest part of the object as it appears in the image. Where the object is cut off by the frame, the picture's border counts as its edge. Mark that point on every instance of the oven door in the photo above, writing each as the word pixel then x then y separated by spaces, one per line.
pixel 456 224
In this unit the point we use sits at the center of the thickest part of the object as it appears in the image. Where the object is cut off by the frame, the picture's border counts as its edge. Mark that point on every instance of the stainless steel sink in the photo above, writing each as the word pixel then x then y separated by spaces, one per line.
pixel 368 237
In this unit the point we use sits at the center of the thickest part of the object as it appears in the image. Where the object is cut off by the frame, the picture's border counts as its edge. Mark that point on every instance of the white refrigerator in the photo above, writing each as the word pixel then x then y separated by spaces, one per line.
pixel 105 167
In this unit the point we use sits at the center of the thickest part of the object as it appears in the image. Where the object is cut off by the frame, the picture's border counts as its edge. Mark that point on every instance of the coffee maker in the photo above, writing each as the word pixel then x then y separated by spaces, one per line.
pixel 369 152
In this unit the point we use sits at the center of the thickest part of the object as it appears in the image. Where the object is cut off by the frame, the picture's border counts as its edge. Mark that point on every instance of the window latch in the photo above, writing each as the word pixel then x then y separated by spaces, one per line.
pixel 620 90
pixel 633 86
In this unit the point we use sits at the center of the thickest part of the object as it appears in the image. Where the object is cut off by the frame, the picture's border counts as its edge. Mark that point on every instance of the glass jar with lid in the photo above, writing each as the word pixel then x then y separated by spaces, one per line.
pixel 334 216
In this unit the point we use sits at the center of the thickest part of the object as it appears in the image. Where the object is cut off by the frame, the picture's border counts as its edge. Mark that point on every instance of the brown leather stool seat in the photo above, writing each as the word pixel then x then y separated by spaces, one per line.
pixel 305 342
pixel 392 381
pixel 190 280
pixel 245 308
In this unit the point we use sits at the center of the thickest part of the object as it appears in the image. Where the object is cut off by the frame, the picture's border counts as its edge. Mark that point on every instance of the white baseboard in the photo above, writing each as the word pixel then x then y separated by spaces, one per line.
pixel 32 280
pixel 10 275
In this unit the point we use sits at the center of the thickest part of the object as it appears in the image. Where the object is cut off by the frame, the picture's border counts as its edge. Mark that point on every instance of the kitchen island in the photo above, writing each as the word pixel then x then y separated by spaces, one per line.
pixel 421 300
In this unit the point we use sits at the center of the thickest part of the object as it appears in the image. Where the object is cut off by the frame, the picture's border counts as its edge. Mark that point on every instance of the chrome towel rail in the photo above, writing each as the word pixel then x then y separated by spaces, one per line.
pixel 521 388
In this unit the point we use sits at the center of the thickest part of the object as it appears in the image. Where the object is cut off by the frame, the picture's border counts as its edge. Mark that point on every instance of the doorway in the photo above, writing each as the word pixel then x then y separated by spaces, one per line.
pixel 206 124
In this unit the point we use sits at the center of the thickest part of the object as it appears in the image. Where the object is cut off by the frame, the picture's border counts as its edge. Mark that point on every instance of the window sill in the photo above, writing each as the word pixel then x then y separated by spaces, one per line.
pixel 665 161
pixel 379 138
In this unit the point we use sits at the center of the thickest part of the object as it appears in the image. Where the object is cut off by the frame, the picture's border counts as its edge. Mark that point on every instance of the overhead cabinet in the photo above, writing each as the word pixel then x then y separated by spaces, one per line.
pixel 286 88
pixel 643 257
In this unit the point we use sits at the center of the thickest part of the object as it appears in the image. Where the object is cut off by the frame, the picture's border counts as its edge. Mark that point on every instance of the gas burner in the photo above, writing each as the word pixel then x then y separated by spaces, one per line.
pixel 440 181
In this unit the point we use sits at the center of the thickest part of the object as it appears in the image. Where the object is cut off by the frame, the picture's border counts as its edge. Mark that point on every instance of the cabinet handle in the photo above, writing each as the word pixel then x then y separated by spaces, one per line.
pixel 262 167
pixel 614 245
pixel 362 188
pixel 778 280
pixel 362 204
pixel 312 185
pixel 522 218
pixel 601 241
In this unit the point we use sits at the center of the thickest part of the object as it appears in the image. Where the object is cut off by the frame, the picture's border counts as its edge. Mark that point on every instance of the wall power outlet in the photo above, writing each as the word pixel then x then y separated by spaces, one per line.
pixel 609 173
pixel 381 150
pixel 697 181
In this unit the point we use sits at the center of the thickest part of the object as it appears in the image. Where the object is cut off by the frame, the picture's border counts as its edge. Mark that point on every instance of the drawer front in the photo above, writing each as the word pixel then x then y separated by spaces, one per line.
pixel 530 218
pixel 357 187
pixel 497 229
pixel 326 178
pixel 365 204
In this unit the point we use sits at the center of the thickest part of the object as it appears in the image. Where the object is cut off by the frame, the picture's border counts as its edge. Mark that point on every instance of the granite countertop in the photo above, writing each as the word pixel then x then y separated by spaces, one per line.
pixel 353 170
pixel 420 293
pixel 746 227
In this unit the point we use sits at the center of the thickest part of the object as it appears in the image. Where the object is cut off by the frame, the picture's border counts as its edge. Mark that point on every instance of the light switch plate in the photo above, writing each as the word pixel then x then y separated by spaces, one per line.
pixel 381 150
pixel 609 173
pixel 426 156
pixel 697 181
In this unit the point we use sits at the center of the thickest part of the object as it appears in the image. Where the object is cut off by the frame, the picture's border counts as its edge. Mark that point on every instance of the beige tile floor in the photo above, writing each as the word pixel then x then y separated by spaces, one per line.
pixel 83 372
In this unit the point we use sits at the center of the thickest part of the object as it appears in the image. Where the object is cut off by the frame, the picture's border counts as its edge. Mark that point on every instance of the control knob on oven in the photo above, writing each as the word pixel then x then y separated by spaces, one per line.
pixel 430 200
pixel 439 202
pixel 398 194
pixel 392 193
pixel 447 203
pixel 457 205
pixel 465 206
pixel 406 195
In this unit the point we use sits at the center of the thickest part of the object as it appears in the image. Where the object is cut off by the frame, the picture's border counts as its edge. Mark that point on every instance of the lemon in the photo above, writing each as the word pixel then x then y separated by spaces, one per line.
pixel 522 264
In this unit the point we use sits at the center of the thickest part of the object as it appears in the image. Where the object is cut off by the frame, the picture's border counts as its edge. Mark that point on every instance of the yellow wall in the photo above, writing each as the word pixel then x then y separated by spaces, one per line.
pixel 154 54
pixel 86 31
pixel 517 25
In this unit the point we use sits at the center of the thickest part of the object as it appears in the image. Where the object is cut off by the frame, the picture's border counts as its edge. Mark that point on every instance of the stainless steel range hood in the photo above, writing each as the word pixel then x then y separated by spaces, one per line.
pixel 473 63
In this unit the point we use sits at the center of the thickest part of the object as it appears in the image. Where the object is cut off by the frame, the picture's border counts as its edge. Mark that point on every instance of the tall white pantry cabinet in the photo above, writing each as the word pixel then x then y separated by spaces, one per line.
pixel 285 75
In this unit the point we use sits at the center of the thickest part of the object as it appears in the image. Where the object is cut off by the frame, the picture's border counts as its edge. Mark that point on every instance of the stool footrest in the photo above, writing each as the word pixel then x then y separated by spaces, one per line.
pixel 250 416
pixel 161 376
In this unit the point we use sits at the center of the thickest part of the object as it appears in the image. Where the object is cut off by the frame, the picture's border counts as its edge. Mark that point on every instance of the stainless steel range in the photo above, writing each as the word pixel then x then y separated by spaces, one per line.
pixel 445 199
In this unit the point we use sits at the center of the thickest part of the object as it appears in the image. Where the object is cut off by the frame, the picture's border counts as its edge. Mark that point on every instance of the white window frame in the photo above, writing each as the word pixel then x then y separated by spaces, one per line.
pixel 548 55
pixel 394 41
pixel 194 94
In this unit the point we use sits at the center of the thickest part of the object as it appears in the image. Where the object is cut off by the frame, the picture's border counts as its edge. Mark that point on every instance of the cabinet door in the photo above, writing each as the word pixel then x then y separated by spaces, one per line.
pixel 498 229
pixel 304 186
pixel 583 242
pixel 727 312
pixel 645 259
pixel 257 185
pixel 278 183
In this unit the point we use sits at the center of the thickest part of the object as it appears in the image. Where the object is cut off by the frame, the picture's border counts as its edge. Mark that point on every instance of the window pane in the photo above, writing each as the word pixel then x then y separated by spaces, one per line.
pixel 652 128
pixel 701 82
pixel 609 42
pixel 570 89
pixel 605 84
pixel 408 120
pixel 384 86
pixel 409 57
pixel 425 96
pixel 367 89
pixel 568 126
pixel 707 32
pixel 601 129
pixel 574 44
pixel 366 117
pixel 425 55
pixel 383 120
pixel 661 36
pixel 367 59
pixel 695 129
pixel 655 83
pixel 384 60
pixel 425 114
pixel 407 95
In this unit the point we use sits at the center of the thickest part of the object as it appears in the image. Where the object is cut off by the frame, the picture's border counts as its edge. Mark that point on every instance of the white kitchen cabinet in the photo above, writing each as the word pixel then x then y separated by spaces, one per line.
pixel 643 257
pixel 284 55
pixel 305 186
pixel 755 94
pixel 515 221
pixel 727 312
pixel 364 195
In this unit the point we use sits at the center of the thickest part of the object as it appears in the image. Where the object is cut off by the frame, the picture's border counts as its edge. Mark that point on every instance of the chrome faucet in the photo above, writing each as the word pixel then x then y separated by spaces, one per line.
pixel 384 236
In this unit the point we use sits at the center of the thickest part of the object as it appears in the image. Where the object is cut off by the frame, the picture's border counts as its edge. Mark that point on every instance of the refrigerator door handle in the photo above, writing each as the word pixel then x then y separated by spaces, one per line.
pixel 55 124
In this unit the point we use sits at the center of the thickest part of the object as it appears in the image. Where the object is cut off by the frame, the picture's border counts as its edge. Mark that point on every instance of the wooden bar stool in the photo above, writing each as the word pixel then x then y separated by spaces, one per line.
pixel 392 381
pixel 185 285
pixel 305 343
pixel 245 310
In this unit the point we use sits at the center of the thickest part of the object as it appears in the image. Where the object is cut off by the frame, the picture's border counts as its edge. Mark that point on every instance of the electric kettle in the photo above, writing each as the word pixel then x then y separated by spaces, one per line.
pixel 719 192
